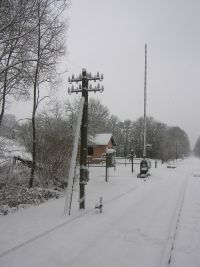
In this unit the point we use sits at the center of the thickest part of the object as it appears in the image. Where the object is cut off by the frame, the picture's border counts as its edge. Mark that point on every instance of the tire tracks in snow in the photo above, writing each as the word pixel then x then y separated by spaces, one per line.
pixel 167 255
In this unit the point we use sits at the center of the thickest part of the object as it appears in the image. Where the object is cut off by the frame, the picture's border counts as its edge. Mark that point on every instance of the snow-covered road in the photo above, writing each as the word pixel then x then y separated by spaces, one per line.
pixel 133 230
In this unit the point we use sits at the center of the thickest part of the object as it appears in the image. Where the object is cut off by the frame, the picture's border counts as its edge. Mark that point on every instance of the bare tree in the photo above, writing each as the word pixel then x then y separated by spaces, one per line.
pixel 113 123
pixel 98 117
pixel 71 113
pixel 16 28
pixel 176 143
pixel 55 147
pixel 197 148
pixel 54 144
pixel 125 140
pixel 46 47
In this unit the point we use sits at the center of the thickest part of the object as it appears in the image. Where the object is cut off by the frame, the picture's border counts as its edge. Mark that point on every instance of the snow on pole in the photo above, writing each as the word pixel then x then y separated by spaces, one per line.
pixel 69 190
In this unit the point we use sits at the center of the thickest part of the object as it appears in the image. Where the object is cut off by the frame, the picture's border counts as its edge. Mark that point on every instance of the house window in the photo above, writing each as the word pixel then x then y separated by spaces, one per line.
pixel 90 151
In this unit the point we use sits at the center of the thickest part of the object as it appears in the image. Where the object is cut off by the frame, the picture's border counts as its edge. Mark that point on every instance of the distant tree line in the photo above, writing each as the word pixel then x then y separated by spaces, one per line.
pixel 55 127
pixel 197 148
pixel 164 142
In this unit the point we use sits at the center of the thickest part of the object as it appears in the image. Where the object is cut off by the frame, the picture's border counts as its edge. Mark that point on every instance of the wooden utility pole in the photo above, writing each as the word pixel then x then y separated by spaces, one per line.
pixel 83 150
pixel 84 78
pixel 132 160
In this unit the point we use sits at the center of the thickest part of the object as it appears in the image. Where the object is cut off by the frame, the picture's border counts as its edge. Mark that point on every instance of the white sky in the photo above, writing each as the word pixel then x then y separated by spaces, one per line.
pixel 109 36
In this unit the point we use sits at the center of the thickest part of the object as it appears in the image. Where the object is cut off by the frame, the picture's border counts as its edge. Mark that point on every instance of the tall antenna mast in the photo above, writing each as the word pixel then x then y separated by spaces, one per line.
pixel 145 92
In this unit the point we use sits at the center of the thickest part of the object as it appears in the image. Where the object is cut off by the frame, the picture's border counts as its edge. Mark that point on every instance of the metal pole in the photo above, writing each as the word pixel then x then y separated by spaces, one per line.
pixel 106 167
pixel 83 149
pixel 132 160
pixel 145 119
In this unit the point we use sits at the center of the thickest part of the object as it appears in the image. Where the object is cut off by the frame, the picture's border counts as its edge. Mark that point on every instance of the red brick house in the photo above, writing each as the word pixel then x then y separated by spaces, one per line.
pixel 98 145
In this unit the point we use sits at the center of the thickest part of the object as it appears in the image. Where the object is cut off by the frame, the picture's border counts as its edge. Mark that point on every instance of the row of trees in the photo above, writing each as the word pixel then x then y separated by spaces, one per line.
pixel 32 39
pixel 55 133
pixel 197 148
pixel 165 142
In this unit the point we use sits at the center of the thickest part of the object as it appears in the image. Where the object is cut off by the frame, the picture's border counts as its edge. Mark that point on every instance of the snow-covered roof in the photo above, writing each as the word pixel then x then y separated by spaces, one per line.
pixel 110 151
pixel 103 139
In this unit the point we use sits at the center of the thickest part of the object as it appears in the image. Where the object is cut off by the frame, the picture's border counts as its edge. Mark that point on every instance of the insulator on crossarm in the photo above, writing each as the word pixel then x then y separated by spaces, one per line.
pixel 102 89
pixel 102 76
pixel 98 75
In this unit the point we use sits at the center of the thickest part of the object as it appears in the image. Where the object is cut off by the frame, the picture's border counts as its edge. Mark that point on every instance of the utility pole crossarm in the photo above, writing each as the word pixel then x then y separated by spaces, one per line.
pixel 95 78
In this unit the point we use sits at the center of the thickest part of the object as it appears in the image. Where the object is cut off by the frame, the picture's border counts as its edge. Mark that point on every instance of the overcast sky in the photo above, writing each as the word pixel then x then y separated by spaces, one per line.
pixel 110 35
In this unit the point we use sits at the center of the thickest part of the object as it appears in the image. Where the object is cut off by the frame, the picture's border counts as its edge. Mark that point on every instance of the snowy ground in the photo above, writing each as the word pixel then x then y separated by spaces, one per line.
pixel 133 230
pixel 10 149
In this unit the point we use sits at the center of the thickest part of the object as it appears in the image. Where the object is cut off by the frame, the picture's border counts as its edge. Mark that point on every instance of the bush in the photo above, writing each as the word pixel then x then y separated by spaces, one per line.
pixel 14 197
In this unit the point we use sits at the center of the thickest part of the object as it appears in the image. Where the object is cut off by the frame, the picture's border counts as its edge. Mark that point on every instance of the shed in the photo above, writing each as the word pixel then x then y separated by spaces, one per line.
pixel 99 144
